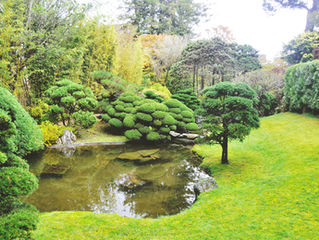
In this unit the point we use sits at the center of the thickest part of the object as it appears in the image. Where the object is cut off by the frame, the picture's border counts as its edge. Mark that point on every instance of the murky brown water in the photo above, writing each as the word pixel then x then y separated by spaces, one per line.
pixel 100 179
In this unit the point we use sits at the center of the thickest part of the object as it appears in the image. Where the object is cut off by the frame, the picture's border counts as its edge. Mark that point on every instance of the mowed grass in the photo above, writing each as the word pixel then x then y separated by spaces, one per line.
pixel 269 191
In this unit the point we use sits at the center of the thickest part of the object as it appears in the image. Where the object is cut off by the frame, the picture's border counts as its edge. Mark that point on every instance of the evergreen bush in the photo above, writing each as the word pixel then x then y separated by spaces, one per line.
pixel 19 135
pixel 302 87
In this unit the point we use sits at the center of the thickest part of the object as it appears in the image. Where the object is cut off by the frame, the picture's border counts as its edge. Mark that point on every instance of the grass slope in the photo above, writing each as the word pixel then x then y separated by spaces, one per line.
pixel 270 191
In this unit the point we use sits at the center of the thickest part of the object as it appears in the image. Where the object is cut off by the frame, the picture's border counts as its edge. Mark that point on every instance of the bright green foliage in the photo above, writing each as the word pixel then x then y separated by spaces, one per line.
pixel 84 119
pixel 159 114
pixel 106 117
pixel 147 108
pixel 188 97
pixel 38 110
pixel 144 117
pixel 129 121
pixel 68 98
pixel 153 136
pixel 19 135
pixel 302 87
pixel 229 113
pixel 148 116
pixel 187 114
pixel 301 48
pixel 116 123
pixel 133 134
pixel 151 95
pixel 191 127
pixel 28 136
pixel 144 129
pixel 51 132
pixel 172 103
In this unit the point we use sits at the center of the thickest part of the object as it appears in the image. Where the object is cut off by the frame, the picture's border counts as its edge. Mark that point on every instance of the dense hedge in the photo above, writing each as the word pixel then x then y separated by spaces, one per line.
pixel 148 119
pixel 302 87
pixel 19 135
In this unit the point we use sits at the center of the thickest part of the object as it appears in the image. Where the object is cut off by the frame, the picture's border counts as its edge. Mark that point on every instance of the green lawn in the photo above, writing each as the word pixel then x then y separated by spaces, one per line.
pixel 269 191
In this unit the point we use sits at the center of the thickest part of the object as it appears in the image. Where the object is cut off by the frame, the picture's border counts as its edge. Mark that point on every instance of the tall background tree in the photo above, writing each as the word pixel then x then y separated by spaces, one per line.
pixel 163 16
pixel 311 6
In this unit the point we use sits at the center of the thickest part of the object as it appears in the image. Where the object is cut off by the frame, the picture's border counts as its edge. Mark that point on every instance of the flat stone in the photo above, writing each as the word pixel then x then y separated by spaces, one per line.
pixel 140 156
pixel 174 134
pixel 189 135
pixel 148 152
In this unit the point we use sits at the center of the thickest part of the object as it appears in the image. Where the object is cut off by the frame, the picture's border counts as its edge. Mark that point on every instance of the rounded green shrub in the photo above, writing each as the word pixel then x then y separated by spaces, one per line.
pixel 144 117
pixel 157 123
pixel 111 111
pixel 161 107
pixel 137 103
pixel 173 127
pixel 145 129
pixel 133 134
pixel 169 120
pixel 175 110
pixel 129 121
pixel 116 123
pixel 159 114
pixel 176 116
pixel 191 127
pixel 128 98
pixel 106 117
pixel 120 115
pixel 165 130
pixel 119 108
pixel 153 136
pixel 181 124
pixel 188 120
pixel 84 119
pixel 147 108
pixel 173 103
pixel 187 114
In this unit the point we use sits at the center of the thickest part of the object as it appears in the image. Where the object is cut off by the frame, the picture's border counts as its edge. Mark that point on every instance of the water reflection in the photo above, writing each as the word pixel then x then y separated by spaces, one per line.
pixel 101 180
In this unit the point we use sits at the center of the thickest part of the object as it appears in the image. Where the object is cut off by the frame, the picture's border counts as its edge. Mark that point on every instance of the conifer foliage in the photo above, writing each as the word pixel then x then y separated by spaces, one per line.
pixel 19 135
pixel 229 113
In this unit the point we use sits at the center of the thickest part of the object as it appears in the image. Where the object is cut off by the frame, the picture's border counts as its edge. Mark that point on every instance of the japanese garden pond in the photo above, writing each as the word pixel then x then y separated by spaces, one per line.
pixel 130 180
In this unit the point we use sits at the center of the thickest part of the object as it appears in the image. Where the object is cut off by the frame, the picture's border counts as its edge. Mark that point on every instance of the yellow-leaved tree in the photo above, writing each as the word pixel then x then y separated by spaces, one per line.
pixel 129 57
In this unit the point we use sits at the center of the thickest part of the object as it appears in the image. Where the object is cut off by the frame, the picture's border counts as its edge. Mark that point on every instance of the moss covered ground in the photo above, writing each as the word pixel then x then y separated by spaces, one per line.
pixel 269 191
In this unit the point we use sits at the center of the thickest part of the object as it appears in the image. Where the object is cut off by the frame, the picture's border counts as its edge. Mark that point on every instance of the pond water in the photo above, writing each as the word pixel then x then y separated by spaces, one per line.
pixel 132 181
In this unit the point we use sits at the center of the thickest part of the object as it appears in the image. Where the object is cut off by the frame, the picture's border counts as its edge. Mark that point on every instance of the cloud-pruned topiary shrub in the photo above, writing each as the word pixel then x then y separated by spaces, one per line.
pixel 69 100
pixel 147 119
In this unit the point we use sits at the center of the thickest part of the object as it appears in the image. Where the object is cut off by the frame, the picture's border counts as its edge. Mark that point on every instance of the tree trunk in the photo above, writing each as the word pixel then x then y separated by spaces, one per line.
pixel 194 74
pixel 203 82
pixel 197 70
pixel 225 151
pixel 312 16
